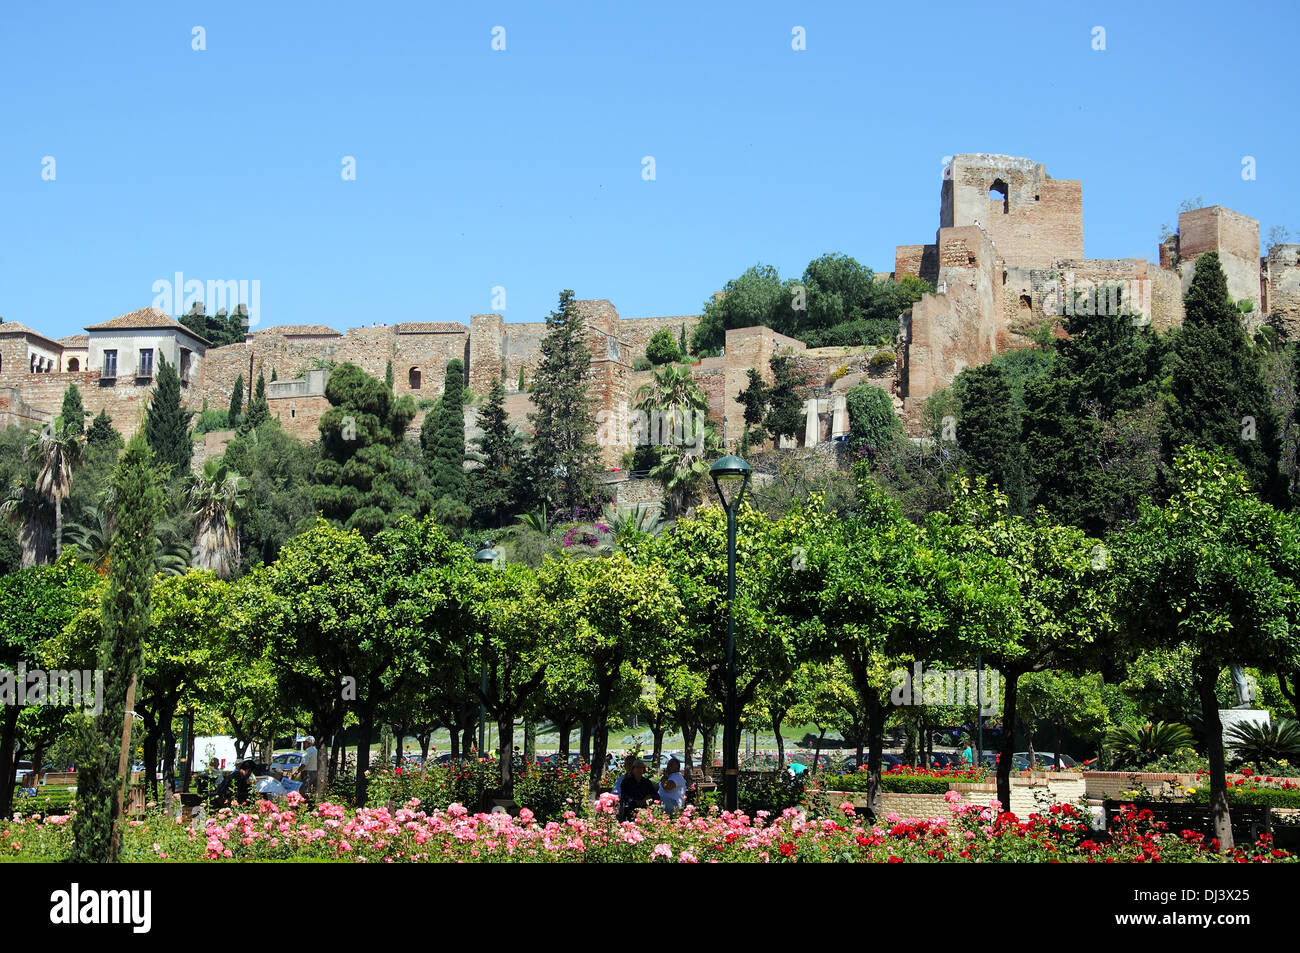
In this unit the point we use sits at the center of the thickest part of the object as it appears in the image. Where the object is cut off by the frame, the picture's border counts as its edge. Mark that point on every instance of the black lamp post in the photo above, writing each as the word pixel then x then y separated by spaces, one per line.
pixel 487 557
pixel 731 478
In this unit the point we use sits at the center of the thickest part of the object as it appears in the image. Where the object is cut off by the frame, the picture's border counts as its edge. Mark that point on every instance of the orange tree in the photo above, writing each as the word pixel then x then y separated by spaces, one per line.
pixel 1215 569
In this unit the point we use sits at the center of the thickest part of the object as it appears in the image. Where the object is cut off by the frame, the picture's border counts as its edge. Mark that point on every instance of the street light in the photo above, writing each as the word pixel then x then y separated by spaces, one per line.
pixel 731 479
pixel 487 557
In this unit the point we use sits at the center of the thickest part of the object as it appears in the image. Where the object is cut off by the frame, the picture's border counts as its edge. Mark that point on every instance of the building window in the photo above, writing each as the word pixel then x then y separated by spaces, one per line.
pixel 73 364
pixel 110 364
pixel 146 363
pixel 186 361
pixel 413 378
pixel 998 192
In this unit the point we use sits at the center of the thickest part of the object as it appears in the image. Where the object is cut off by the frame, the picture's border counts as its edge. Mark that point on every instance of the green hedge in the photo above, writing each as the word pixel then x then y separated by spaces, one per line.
pixel 52 800
pixel 892 783
pixel 1273 797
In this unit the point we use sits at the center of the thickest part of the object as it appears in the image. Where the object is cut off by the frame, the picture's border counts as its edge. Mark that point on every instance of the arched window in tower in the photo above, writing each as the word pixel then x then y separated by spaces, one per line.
pixel 998 192
pixel 414 378
pixel 73 364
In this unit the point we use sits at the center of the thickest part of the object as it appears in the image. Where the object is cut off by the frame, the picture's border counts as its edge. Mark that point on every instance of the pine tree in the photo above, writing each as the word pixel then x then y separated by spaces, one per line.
pixel 1217 386
pixel 443 440
pixel 492 487
pixel 563 461
pixel 362 480
pixel 258 410
pixel 73 413
pixel 124 622
pixel 167 427
pixel 236 403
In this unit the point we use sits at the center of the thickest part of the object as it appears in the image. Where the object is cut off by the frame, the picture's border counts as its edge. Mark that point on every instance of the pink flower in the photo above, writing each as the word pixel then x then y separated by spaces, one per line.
pixel 661 850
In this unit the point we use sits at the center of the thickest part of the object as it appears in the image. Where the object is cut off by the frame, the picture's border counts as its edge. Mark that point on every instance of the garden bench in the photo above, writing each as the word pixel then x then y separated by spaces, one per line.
pixel 60 779
pixel 1248 820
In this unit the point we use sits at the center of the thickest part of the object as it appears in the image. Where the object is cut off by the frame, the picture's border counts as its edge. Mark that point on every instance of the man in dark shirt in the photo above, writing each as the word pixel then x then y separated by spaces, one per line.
pixel 237 787
pixel 636 791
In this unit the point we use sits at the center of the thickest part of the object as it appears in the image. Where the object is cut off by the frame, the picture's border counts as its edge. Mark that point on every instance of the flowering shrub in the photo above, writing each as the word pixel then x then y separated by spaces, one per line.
pixel 409 833
pixel 548 791
pixel 470 782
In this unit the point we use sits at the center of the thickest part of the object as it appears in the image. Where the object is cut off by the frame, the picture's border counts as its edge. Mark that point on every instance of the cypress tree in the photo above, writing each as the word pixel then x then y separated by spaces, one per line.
pixel 124 622
pixel 72 412
pixel 1217 386
pixel 258 411
pixel 492 487
pixel 563 462
pixel 167 427
pixel 443 440
pixel 988 431
pixel 236 402
pixel 388 375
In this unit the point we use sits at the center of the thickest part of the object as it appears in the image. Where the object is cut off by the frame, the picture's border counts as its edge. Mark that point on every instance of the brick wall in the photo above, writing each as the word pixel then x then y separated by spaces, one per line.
pixel 1043 218
pixel 126 402
pixel 1236 238
pixel 1284 286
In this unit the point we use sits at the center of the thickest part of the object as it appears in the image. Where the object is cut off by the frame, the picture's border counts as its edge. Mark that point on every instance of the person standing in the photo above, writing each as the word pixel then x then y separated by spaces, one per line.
pixel 672 787
pixel 635 792
pixel 310 760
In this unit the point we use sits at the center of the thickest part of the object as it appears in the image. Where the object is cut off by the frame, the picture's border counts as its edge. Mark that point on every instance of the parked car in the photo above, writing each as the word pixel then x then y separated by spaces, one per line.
pixel 887 761
pixel 289 762
pixel 1046 759
pixel 21 768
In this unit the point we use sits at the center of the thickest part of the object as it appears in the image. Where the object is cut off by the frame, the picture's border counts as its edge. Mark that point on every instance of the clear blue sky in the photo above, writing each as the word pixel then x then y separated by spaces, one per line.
pixel 522 168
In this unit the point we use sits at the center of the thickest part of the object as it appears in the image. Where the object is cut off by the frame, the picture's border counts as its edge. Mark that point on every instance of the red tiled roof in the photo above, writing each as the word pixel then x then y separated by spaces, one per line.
pixel 75 340
pixel 146 319
pixel 14 327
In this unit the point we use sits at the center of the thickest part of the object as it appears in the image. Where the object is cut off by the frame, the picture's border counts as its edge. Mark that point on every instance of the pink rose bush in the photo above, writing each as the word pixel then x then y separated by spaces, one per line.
pixel 410 834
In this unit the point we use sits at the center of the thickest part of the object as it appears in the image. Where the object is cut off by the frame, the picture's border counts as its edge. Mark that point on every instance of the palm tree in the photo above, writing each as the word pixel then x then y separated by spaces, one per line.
pixel 28 509
pixel 94 537
pixel 58 450
pixel 217 496
pixel 676 423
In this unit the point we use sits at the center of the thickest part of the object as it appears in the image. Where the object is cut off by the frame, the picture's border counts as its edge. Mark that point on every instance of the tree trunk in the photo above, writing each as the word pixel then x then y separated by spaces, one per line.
pixel 710 733
pixel 875 748
pixel 455 742
pixel 1010 682
pixel 123 771
pixel 151 737
pixel 8 731
pixel 658 734
pixel 566 729
pixel 599 745
pixel 336 746
pixel 688 739
pixel 58 527
pixel 584 741
pixel 817 750
pixel 780 743
pixel 364 729
pixel 530 741
pixel 425 737
pixel 168 761
pixel 1208 677
pixel 506 747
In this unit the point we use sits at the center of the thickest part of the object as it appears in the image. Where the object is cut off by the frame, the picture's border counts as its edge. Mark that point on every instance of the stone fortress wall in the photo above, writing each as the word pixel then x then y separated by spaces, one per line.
pixel 1007 256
